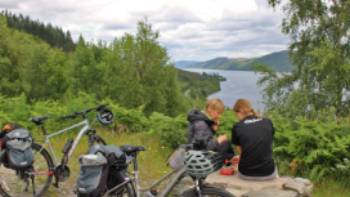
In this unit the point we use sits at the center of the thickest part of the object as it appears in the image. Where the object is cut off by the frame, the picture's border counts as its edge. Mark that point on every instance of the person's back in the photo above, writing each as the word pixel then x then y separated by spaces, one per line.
pixel 253 136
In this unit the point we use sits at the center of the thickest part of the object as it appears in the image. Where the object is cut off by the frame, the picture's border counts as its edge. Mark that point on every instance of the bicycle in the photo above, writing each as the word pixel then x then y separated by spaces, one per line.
pixel 131 186
pixel 46 165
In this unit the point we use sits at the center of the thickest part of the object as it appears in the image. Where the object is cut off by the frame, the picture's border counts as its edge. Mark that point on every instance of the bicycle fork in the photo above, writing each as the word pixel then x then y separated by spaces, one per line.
pixel 198 185
pixel 62 171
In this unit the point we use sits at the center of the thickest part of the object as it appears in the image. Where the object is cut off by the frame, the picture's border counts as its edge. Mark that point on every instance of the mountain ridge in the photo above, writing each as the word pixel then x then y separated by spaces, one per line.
pixel 278 61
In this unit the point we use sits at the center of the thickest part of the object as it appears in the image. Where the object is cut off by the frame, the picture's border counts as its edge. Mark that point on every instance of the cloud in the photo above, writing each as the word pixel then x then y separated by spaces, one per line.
pixel 9 4
pixel 189 29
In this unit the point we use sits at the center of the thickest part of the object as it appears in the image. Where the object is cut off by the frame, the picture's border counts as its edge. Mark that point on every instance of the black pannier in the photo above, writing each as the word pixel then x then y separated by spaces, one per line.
pixel 100 170
pixel 18 149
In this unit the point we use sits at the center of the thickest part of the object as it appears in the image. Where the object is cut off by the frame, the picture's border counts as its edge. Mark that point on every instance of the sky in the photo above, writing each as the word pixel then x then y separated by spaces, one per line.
pixel 189 29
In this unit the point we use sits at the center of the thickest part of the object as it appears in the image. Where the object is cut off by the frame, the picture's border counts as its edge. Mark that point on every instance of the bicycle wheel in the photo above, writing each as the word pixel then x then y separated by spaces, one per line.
pixel 33 181
pixel 207 192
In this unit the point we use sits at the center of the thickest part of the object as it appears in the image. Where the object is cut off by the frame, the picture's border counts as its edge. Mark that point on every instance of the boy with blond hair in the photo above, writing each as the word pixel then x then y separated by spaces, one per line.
pixel 203 127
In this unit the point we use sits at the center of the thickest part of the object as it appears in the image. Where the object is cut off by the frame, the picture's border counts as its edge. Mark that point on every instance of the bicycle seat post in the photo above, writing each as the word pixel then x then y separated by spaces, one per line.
pixel 43 129
pixel 136 174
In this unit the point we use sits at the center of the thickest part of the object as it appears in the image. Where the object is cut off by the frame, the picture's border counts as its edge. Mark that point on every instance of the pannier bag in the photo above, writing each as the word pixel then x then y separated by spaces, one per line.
pixel 93 175
pixel 18 149
pixel 116 157
pixel 177 158
pixel 118 163
pixel 99 170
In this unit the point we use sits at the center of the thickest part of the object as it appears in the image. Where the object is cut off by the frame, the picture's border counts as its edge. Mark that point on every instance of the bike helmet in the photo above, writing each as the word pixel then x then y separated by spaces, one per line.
pixel 200 164
pixel 105 116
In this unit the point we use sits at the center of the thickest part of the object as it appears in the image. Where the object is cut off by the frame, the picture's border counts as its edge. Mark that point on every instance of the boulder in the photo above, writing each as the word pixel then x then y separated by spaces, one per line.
pixel 281 186
pixel 272 192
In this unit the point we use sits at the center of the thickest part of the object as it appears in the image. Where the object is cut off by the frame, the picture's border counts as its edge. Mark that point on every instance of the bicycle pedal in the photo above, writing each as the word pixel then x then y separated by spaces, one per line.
pixel 56 184
pixel 154 191
pixel 149 194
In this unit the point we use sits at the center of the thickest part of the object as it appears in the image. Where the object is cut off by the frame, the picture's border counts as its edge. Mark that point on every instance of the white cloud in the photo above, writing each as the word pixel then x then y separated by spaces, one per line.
pixel 190 29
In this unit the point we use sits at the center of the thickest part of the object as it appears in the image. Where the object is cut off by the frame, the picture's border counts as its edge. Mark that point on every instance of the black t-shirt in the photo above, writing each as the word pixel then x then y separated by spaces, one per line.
pixel 254 135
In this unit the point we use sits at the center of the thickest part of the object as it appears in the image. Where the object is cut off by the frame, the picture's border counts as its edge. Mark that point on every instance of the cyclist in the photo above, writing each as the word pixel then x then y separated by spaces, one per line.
pixel 203 127
pixel 253 136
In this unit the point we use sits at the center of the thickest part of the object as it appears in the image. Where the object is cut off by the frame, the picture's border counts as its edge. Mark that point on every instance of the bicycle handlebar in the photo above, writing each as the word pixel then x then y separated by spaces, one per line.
pixel 83 113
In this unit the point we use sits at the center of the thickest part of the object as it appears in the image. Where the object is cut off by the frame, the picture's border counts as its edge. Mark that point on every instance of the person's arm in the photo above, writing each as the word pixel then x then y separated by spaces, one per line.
pixel 235 140
pixel 202 133
pixel 273 128
pixel 215 125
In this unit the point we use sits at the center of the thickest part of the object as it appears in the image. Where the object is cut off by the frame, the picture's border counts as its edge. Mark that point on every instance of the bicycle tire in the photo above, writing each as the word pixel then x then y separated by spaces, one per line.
pixel 207 191
pixel 50 166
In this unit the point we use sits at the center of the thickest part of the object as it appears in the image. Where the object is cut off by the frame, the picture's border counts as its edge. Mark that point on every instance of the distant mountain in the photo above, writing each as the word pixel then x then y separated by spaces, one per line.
pixel 278 61
pixel 185 64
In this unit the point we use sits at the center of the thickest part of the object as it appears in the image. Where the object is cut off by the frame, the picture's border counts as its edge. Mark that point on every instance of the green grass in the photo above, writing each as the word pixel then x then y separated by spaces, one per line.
pixel 331 188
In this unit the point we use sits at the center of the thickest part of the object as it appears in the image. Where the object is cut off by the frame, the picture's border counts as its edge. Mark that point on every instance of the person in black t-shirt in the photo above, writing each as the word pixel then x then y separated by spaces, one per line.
pixel 253 138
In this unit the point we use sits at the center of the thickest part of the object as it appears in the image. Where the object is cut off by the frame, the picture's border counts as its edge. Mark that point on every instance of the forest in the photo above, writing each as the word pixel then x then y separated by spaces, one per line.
pixel 133 70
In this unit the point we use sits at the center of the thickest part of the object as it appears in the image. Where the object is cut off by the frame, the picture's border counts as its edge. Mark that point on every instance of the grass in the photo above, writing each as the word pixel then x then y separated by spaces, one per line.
pixel 331 188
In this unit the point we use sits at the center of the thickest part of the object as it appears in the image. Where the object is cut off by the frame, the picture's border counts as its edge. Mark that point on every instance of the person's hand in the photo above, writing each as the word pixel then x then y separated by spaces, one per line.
pixel 222 138
pixel 215 125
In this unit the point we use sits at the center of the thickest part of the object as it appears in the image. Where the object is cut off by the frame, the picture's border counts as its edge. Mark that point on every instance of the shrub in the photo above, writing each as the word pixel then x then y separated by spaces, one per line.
pixel 312 148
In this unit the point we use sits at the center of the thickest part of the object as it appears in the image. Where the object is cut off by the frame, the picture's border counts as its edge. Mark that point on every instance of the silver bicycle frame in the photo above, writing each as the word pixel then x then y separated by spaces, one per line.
pixel 179 174
pixel 85 127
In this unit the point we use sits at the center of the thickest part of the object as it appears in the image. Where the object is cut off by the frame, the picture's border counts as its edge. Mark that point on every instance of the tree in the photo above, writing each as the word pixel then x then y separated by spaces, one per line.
pixel 320 52
pixel 28 65
pixel 55 36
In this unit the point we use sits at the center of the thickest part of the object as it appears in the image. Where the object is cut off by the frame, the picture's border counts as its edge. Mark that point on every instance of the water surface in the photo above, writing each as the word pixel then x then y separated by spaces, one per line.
pixel 238 84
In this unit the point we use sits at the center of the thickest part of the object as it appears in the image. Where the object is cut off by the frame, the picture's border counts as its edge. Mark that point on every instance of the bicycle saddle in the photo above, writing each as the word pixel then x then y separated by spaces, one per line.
pixel 128 149
pixel 39 120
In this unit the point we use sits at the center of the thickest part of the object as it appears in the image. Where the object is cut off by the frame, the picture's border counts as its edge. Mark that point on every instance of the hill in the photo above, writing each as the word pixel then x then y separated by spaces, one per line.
pixel 278 61
pixel 185 64
pixel 53 35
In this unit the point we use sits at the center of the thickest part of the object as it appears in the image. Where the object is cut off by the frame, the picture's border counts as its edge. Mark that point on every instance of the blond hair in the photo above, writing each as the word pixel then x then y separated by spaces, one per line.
pixel 245 107
pixel 215 104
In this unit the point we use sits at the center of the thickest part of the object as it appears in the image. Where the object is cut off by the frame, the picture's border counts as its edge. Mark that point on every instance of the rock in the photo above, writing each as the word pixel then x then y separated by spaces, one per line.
pixel 303 180
pixel 273 192
pixel 237 183
pixel 281 186
pixel 302 186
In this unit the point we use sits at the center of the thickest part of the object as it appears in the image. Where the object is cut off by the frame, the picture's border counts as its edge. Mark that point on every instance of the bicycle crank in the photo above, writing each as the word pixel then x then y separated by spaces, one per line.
pixel 62 173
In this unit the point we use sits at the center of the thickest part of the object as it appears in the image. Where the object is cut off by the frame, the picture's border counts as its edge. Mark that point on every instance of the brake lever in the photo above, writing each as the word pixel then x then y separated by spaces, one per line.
pixel 101 107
